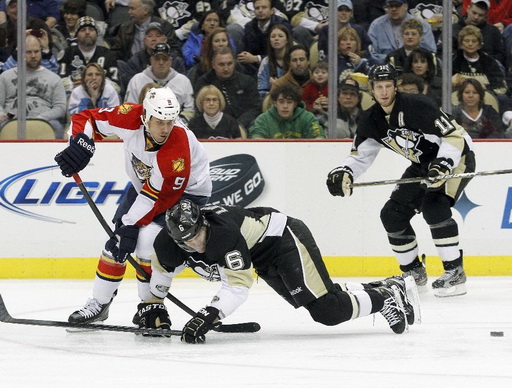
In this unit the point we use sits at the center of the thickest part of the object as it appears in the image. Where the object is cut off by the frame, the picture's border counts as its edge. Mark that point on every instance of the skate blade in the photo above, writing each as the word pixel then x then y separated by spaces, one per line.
pixel 81 329
pixel 457 290
pixel 422 289
pixel 412 291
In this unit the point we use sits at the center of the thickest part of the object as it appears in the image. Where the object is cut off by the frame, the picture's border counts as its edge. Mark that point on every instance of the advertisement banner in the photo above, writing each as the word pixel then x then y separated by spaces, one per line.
pixel 44 215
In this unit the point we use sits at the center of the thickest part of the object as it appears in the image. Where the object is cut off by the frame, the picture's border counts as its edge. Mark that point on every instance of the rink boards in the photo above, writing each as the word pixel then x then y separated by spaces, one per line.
pixel 48 230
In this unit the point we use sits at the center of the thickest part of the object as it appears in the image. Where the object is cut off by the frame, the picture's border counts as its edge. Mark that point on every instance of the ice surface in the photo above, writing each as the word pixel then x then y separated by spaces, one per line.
pixel 451 348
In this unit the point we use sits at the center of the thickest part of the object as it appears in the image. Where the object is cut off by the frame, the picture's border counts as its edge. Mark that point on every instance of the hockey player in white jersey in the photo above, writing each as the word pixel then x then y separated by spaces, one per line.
pixel 164 161
pixel 414 127
pixel 225 244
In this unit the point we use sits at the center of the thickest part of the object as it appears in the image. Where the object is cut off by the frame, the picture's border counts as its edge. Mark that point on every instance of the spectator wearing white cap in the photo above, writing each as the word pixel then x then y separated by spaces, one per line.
pixel 499 12
pixel 493 44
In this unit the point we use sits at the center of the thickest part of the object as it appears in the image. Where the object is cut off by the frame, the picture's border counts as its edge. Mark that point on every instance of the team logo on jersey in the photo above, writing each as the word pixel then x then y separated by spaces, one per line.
pixel 142 170
pixel 206 271
pixel 124 109
pixel 404 142
pixel 178 165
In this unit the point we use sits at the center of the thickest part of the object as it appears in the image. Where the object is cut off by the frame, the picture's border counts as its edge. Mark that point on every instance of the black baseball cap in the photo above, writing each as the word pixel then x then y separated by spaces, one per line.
pixel 154 26
pixel 349 83
pixel 161 48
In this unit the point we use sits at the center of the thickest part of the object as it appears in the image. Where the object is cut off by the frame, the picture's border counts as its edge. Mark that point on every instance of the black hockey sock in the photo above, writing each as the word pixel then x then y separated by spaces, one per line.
pixel 409 267
pixel 377 300
pixel 448 265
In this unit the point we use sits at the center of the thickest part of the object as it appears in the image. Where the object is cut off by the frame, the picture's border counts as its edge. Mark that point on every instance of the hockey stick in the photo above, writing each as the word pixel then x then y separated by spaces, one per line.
pixel 421 179
pixel 247 327
pixel 7 318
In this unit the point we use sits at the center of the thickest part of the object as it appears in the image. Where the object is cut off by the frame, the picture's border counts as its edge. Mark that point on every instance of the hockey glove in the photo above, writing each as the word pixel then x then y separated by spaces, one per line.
pixel 76 155
pixel 153 316
pixel 128 235
pixel 195 329
pixel 339 181
pixel 439 166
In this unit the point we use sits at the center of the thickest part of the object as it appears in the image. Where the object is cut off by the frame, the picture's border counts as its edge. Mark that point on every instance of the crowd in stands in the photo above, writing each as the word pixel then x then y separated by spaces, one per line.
pixel 255 69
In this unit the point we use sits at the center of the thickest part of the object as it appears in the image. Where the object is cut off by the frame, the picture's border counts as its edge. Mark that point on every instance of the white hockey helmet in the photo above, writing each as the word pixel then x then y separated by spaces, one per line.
pixel 160 103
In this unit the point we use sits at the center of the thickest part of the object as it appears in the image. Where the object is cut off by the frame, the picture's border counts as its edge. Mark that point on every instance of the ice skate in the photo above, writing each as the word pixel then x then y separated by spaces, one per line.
pixel 451 283
pixel 393 309
pixel 93 311
pixel 417 270
pixel 409 291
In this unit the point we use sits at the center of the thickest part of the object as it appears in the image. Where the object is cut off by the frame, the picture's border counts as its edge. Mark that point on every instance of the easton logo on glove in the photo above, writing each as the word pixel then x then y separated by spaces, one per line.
pixel 152 306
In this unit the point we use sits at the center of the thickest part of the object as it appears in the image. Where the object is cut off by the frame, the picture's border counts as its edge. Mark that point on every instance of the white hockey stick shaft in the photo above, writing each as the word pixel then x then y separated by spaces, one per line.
pixel 421 179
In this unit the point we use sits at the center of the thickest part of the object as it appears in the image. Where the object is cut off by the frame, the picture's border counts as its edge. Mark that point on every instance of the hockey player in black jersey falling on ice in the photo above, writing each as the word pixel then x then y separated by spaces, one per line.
pixel 225 243
pixel 413 126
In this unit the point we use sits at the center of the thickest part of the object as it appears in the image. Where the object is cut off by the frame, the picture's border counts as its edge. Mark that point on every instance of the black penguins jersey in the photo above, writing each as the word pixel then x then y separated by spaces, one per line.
pixel 416 129
pixel 238 239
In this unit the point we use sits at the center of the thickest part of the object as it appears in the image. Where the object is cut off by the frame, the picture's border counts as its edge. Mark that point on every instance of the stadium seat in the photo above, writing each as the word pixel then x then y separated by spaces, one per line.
pixel 366 100
pixel 35 129
pixel 489 99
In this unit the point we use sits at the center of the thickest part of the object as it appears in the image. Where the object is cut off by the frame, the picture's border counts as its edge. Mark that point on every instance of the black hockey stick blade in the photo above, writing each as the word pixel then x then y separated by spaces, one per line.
pixel 7 318
pixel 246 327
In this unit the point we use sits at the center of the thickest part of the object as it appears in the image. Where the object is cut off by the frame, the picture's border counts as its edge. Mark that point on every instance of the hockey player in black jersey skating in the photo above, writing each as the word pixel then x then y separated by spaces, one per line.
pixel 225 243
pixel 414 127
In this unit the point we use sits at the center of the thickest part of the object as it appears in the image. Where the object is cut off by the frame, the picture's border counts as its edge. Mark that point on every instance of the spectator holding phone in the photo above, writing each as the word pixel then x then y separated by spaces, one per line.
pixel 38 29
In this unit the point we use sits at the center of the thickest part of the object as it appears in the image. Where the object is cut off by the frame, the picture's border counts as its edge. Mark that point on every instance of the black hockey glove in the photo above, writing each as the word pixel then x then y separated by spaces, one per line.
pixel 153 316
pixel 128 235
pixel 76 155
pixel 195 329
pixel 439 166
pixel 339 181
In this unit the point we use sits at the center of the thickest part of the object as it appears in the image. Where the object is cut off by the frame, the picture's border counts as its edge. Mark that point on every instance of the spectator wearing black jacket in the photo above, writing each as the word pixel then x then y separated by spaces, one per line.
pixel 254 40
pixel 240 90
pixel 492 44
pixel 154 34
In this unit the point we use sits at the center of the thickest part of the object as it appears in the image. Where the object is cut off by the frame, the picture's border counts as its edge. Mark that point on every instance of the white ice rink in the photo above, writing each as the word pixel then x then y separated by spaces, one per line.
pixel 451 348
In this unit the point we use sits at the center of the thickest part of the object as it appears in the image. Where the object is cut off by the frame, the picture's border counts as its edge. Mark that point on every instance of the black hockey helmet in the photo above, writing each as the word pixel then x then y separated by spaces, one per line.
pixel 383 73
pixel 184 221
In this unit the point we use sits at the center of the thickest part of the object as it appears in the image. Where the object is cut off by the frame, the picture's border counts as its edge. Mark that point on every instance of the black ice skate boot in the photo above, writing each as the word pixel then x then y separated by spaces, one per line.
pixel 418 272
pixel 453 281
pixel 393 309
pixel 93 311
pixel 409 293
